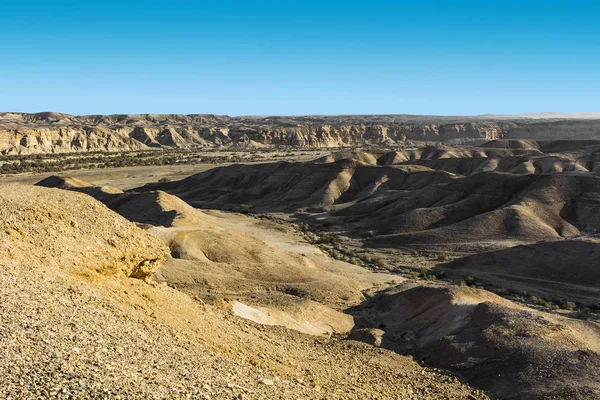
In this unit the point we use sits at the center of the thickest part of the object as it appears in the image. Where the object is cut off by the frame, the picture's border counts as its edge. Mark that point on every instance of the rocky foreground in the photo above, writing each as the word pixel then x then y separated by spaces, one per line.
pixel 137 294
pixel 62 133
pixel 78 322
pixel 251 266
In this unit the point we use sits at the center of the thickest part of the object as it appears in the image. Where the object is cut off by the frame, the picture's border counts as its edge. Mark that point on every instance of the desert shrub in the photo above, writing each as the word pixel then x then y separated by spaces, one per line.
pixel 308 238
pixel 369 234
pixel 469 281
pixel 336 254
pixel 444 257
pixel 499 291
pixel 293 291
pixel 330 239
pixel 245 208
pixel 424 273
pixel 541 302
pixel 379 262
pixel 355 260
pixel 373 260
pixel 303 226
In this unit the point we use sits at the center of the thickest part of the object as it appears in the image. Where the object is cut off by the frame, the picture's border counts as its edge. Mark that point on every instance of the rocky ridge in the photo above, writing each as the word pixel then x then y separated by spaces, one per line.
pixel 62 133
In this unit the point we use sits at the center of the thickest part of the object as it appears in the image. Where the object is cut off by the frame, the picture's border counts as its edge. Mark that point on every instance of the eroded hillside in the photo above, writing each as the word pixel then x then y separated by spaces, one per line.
pixel 373 246
pixel 527 211
pixel 62 133
pixel 502 347
pixel 76 323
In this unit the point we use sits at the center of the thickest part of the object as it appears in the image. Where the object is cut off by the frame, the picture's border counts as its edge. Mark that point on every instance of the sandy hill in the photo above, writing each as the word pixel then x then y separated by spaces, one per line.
pixel 217 256
pixel 545 146
pixel 511 156
pixel 401 208
pixel 154 208
pixel 468 161
pixel 487 206
pixel 359 156
pixel 37 225
pixel 75 325
pixel 528 164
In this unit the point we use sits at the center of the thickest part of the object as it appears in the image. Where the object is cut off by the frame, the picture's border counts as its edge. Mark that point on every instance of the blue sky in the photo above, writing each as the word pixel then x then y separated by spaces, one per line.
pixel 300 57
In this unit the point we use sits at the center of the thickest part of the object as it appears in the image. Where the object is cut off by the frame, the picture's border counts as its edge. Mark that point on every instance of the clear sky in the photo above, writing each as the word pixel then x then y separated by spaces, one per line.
pixel 300 57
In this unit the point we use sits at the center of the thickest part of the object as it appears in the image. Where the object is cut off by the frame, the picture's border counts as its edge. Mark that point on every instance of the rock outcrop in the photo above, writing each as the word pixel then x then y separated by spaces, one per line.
pixel 73 232
pixel 62 133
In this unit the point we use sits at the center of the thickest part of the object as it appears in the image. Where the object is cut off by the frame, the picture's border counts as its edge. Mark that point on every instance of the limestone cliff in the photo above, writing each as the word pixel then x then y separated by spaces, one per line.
pixel 62 133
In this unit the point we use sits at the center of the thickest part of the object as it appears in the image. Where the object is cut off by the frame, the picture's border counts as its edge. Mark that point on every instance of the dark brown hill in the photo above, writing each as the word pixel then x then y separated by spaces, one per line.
pixel 566 270
pixel 401 205
pixel 293 186
pixel 510 351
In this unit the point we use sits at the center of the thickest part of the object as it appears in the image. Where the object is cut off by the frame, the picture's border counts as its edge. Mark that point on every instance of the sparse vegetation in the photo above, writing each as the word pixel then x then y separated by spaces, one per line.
pixel 89 160
pixel 245 208
pixel 444 257
pixel 469 281
pixel 375 260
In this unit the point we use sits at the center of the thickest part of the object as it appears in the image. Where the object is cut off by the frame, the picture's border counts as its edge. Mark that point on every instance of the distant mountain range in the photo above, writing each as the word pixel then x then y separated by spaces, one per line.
pixel 50 132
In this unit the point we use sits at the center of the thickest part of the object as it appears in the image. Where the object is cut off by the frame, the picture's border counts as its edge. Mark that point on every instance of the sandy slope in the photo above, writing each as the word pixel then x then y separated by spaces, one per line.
pixel 259 263
pixel 71 330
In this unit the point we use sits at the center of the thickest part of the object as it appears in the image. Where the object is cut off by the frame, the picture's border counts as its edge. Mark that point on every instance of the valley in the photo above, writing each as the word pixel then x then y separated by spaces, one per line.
pixel 471 266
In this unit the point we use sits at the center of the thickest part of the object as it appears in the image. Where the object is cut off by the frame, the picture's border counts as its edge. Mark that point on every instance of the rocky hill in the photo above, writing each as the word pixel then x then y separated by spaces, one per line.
pixel 447 202
pixel 263 270
pixel 61 133
pixel 77 323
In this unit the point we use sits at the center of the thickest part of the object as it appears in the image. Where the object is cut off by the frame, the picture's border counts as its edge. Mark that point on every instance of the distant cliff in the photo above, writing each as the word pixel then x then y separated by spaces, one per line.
pixel 62 133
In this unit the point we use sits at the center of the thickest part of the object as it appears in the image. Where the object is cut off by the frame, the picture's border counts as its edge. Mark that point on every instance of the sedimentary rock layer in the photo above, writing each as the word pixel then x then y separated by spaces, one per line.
pixel 62 133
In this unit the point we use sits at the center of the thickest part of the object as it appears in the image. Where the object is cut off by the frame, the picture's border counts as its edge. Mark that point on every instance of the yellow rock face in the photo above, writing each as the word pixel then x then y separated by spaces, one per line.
pixel 51 228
